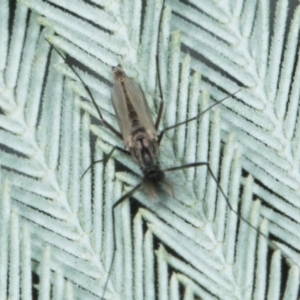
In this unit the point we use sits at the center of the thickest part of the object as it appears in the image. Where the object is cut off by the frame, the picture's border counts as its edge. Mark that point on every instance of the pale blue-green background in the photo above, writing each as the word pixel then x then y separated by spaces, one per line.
pixel 59 227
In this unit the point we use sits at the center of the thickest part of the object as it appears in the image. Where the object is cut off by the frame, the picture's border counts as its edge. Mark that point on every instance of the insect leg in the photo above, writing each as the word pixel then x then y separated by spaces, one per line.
pixel 105 123
pixel 104 160
pixel 128 194
pixel 161 105
pixel 194 118
pixel 199 164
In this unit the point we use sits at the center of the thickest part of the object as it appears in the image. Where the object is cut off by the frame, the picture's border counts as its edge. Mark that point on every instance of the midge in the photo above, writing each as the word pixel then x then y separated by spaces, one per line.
pixel 142 140
pixel 140 137
pixel 139 134
pixel 137 128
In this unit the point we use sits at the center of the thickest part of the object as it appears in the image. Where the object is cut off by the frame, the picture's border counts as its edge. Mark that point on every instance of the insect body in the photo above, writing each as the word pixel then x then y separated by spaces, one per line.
pixel 137 128
pixel 141 139
pixel 135 120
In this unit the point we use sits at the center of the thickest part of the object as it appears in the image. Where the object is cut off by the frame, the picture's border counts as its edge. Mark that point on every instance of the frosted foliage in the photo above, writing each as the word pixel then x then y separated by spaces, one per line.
pixel 56 230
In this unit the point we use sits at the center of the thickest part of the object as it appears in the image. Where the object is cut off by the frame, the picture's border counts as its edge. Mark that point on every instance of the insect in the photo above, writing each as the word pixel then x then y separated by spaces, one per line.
pixel 139 133
pixel 142 140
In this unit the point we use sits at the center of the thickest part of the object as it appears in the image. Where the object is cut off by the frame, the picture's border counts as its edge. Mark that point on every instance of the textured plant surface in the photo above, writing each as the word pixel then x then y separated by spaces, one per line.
pixel 58 228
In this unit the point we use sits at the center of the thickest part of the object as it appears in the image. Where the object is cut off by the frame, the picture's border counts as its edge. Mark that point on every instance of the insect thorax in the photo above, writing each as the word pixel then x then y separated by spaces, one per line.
pixel 144 149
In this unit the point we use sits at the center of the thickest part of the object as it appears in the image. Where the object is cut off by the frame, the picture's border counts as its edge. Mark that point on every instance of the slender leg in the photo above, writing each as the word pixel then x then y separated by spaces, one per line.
pixel 104 160
pixel 194 118
pixel 206 164
pixel 128 194
pixel 161 105
pixel 105 123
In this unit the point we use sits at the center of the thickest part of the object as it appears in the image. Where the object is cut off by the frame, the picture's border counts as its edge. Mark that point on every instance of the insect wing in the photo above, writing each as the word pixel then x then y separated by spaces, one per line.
pixel 140 105
pixel 118 98
pixel 138 101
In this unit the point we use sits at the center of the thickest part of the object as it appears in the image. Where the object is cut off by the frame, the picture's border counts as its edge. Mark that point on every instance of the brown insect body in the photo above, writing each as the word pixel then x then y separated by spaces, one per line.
pixel 140 137
pixel 137 129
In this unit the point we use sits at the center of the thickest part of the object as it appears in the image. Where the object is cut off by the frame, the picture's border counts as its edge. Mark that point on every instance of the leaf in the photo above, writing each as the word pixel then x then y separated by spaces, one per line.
pixel 59 227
